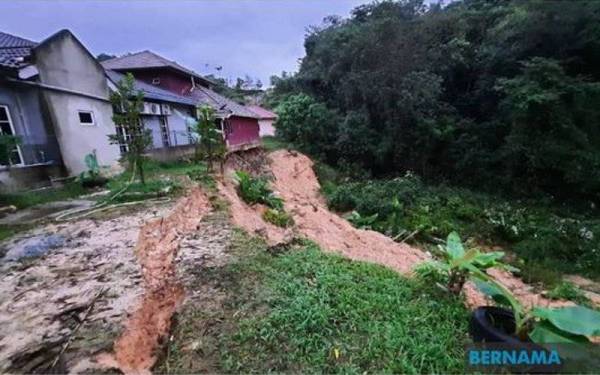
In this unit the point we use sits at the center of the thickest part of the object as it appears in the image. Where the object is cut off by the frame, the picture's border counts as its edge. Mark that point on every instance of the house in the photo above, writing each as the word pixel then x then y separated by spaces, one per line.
pixel 239 125
pixel 54 96
pixel 266 119
pixel 167 115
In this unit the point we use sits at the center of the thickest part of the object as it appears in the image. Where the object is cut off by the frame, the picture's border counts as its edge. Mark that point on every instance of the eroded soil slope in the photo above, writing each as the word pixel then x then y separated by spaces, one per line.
pixel 295 181
pixel 157 247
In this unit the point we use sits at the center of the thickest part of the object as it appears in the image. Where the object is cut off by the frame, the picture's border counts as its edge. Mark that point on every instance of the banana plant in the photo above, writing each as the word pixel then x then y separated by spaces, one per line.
pixel 572 324
pixel 362 222
pixel 460 264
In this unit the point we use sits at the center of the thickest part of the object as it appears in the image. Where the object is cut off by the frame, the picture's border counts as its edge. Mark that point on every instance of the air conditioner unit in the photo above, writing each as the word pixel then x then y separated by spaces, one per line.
pixel 165 109
pixel 154 108
pixel 150 109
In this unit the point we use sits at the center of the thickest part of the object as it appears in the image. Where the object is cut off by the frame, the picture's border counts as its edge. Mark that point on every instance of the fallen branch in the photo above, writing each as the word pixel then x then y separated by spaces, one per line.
pixel 72 334
pixel 414 233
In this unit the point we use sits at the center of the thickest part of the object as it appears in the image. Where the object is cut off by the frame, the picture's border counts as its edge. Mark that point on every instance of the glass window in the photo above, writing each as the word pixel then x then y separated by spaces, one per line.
pixel 6 127
pixel 86 118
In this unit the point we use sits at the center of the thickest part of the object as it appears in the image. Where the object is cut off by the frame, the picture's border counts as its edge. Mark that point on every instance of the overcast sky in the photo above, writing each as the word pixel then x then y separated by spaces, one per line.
pixel 255 37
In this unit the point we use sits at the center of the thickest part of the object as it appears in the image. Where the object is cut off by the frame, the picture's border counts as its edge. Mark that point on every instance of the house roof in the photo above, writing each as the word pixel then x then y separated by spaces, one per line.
pixel 152 92
pixel 221 104
pixel 147 59
pixel 14 50
pixel 261 112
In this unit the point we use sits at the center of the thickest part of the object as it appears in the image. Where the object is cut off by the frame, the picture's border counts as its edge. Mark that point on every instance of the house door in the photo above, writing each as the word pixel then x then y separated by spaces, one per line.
pixel 6 127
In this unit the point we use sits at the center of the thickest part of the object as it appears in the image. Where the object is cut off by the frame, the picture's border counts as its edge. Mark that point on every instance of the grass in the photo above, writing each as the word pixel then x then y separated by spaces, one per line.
pixel 273 143
pixel 569 291
pixel 26 199
pixel 327 314
pixel 305 311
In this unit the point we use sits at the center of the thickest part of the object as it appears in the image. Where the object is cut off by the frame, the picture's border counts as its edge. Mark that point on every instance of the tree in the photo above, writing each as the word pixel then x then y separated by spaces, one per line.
pixel 104 56
pixel 467 93
pixel 209 141
pixel 8 148
pixel 131 134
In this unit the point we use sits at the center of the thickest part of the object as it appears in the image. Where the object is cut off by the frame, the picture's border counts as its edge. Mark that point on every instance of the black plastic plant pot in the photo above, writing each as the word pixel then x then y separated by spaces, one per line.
pixel 493 329
pixel 493 324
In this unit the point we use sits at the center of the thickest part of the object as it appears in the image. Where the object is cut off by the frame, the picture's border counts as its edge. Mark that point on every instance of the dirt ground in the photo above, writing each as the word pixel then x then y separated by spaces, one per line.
pixel 43 299
pixel 135 351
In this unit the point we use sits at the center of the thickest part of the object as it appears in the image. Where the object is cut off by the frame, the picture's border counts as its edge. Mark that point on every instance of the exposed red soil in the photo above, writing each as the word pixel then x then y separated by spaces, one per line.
pixel 157 246
pixel 296 182
pixel 250 218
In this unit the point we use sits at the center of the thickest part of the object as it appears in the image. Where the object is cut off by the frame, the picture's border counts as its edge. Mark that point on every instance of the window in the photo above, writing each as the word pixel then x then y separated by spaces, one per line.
pixel 164 130
pixel 156 81
pixel 6 127
pixel 86 118
pixel 125 136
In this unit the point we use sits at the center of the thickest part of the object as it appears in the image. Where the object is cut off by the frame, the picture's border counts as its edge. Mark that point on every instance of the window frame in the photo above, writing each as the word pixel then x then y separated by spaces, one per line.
pixel 12 129
pixel 91 113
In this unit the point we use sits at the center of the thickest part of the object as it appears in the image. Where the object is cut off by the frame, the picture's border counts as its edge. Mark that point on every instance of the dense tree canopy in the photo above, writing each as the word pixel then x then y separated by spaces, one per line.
pixel 495 94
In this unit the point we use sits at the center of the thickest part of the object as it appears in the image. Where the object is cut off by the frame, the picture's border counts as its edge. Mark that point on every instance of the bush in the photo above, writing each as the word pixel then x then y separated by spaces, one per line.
pixel 256 190
pixel 278 217
pixel 568 291
pixel 535 230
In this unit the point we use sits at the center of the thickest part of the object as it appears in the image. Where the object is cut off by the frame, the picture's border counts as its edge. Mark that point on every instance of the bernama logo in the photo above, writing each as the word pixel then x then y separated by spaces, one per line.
pixel 504 357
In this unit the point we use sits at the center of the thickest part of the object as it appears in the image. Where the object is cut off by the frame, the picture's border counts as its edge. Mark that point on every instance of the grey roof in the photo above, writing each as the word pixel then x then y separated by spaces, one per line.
pixel 219 103
pixel 152 92
pixel 14 50
pixel 147 59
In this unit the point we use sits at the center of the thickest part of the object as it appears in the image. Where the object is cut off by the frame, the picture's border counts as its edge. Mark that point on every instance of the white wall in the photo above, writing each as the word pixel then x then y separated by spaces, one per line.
pixel 62 61
pixel 178 125
pixel 266 127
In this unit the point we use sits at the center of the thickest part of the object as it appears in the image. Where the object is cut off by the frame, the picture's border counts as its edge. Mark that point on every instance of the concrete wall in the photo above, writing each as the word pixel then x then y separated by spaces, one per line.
pixel 37 136
pixel 266 127
pixel 177 126
pixel 64 62
pixel 31 177
pixel 172 153
pixel 151 123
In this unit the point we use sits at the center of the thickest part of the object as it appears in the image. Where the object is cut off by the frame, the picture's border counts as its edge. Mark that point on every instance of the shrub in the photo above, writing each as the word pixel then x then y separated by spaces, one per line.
pixel 537 231
pixel 256 190
pixel 568 291
pixel 278 217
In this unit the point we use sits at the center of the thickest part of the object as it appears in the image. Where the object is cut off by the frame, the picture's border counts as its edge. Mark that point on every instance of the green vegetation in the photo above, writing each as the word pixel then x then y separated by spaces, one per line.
pixel 310 312
pixel 256 190
pixel 131 135
pixel 568 291
pixel 549 238
pixel 210 146
pixel 273 143
pixel 278 217
pixel 491 95
pixel 163 179
pixel 457 265
pixel 8 149
pixel 571 324
pixel 71 189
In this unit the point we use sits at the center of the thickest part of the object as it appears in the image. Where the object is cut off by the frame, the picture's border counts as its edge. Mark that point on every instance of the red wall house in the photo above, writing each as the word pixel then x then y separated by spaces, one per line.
pixel 241 132
pixel 240 124
pixel 165 79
